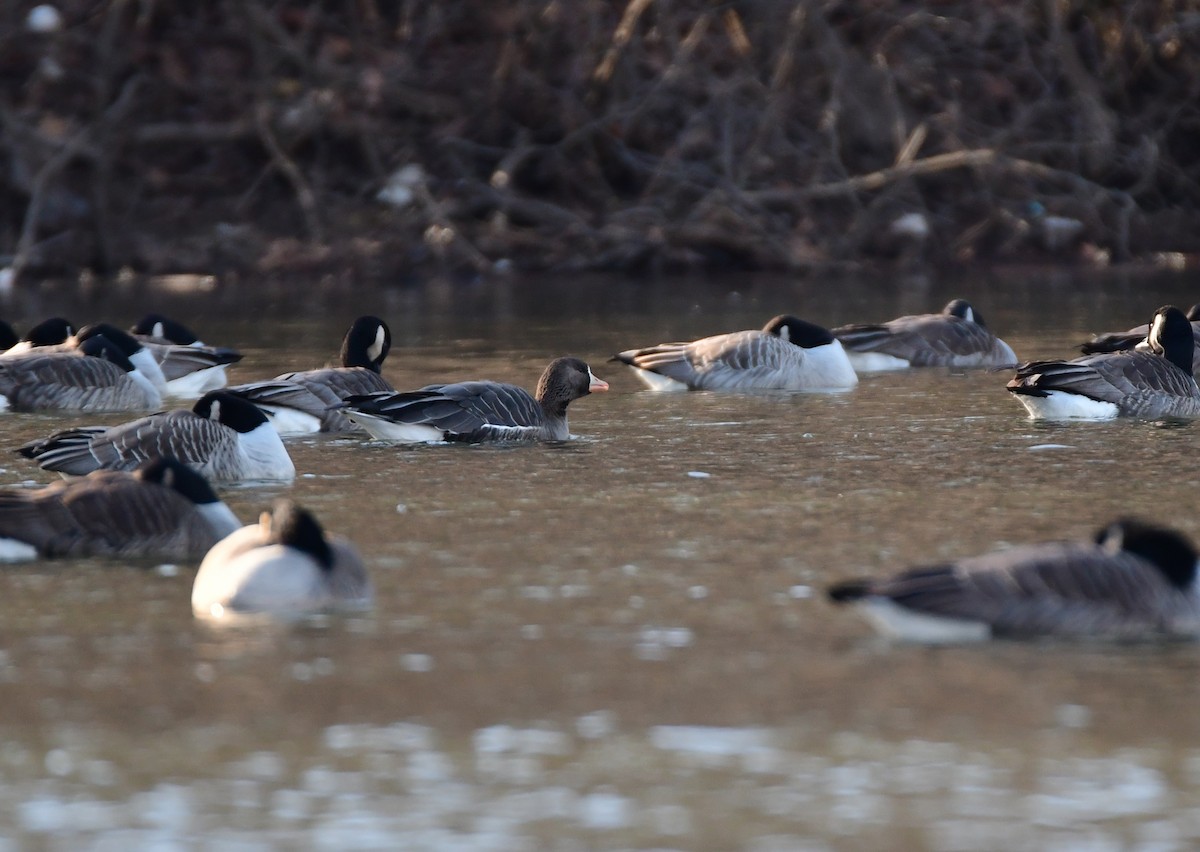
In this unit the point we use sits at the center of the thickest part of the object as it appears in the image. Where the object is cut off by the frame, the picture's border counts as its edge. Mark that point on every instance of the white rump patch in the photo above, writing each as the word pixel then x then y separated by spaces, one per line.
pixel 291 421
pixel 12 550
pixel 657 382
pixel 877 362
pixel 1061 405
pixel 383 429
pixel 898 622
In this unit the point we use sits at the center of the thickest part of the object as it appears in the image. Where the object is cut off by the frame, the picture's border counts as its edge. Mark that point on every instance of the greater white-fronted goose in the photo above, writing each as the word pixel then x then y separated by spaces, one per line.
pixel 285 564
pixel 476 412
pixel 787 354
pixel 1121 341
pixel 1149 384
pixel 223 437
pixel 309 400
pixel 95 375
pixel 189 366
pixel 1133 581
pixel 957 337
pixel 163 510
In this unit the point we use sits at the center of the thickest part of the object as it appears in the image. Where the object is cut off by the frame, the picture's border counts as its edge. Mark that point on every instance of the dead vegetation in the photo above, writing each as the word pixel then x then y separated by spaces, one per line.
pixel 384 138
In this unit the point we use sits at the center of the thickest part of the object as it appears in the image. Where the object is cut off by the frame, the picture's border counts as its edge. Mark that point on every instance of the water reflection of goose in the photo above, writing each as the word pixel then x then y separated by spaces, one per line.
pixel 189 366
pixel 787 354
pixel 1121 341
pixel 957 337
pixel 163 510
pixel 1152 384
pixel 222 436
pixel 283 564
pixel 475 412
pixel 309 400
pixel 1133 581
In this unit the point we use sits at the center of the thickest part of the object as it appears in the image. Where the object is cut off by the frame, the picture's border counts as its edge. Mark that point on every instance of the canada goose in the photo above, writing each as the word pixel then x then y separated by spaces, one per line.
pixel 1133 580
pixel 163 510
pixel 788 354
pixel 1121 341
pixel 1151 385
pixel 189 367
pixel 309 400
pixel 957 337
pixel 94 376
pixel 223 437
pixel 476 412
pixel 283 564
pixel 49 332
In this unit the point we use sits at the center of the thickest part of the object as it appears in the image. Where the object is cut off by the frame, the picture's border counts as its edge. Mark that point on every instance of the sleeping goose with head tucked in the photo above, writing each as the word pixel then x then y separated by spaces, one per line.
pixel 163 510
pixel 283 565
pixel 93 375
pixel 189 367
pixel 1132 581
pixel 223 437
pixel 957 337
pixel 787 354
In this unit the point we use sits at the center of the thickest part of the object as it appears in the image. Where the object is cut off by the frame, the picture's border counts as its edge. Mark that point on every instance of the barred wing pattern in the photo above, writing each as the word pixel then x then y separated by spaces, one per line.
pixel 66 381
pixel 740 360
pixel 930 340
pixel 202 444
pixel 1065 589
pixel 467 411
pixel 1140 384
pixel 110 513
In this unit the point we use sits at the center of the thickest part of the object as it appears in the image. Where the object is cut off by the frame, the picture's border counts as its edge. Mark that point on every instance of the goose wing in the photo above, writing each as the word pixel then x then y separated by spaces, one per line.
pixel 1061 588
pixel 924 341
pixel 340 382
pixel 67 381
pixel 195 441
pixel 177 360
pixel 1122 378
pixel 464 410
pixel 106 513
pixel 740 359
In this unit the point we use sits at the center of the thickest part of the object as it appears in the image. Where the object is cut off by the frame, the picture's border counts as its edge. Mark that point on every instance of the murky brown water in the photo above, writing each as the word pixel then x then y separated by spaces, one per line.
pixel 621 642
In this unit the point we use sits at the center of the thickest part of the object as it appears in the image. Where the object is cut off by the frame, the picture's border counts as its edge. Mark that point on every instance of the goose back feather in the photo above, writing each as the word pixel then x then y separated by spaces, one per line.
pixel 787 354
pixel 1133 581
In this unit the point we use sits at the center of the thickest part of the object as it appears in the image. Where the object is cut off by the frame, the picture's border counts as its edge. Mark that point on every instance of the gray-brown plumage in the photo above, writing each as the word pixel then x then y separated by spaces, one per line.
pixel 163 510
pixel 1149 384
pixel 310 400
pixel 93 376
pixel 1123 341
pixel 222 436
pixel 957 337
pixel 478 411
pixel 1133 581
pixel 787 354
